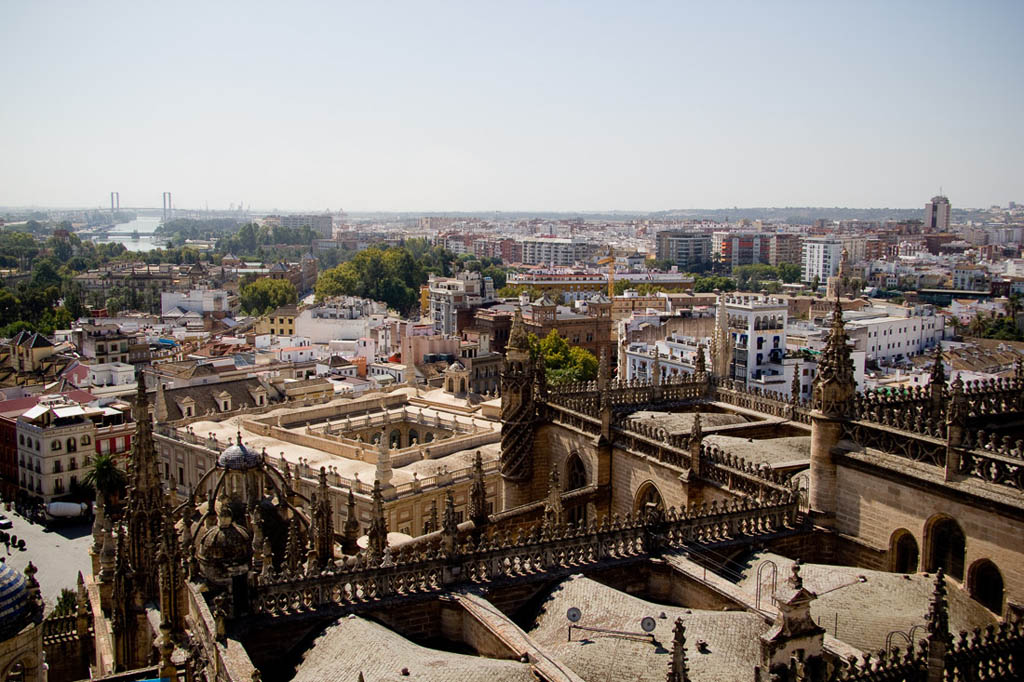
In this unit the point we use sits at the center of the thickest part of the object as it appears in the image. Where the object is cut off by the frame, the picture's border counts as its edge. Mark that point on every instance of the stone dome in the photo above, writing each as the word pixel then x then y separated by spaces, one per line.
pixel 238 456
pixel 456 366
pixel 14 601
pixel 223 549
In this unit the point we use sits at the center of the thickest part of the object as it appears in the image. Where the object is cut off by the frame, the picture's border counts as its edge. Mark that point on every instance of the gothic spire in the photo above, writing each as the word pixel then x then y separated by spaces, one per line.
pixel 517 336
pixel 349 545
pixel 938 373
pixel 146 507
pixel 835 385
pixel 323 514
pixel 700 363
pixel 696 431
pixel 478 493
pixel 794 389
pixel 377 535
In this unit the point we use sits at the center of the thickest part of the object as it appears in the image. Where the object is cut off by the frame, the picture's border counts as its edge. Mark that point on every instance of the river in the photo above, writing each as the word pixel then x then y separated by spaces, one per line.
pixel 125 233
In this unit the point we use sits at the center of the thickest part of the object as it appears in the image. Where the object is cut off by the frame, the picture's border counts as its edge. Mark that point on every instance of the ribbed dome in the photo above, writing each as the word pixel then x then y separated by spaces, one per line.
pixel 224 548
pixel 13 601
pixel 239 457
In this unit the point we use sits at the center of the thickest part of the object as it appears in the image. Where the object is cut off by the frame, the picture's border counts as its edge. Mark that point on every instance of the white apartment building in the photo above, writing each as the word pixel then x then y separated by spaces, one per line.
pixel 56 438
pixel 345 320
pixel 969 277
pixel 447 295
pixel 554 250
pixel 321 224
pixel 195 301
pixel 820 258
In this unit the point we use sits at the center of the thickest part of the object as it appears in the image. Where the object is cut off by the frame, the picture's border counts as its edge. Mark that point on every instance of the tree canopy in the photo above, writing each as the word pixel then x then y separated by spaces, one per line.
pixel 389 274
pixel 563 362
pixel 265 294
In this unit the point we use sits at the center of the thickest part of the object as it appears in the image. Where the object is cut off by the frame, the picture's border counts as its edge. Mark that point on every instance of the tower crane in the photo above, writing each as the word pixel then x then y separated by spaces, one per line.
pixel 609 260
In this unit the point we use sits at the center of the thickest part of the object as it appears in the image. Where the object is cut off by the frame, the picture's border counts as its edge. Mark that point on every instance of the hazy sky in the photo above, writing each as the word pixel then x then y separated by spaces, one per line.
pixel 511 105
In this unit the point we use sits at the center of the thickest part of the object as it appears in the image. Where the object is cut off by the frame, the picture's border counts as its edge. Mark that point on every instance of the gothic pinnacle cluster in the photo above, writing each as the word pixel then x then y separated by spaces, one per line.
pixel 835 386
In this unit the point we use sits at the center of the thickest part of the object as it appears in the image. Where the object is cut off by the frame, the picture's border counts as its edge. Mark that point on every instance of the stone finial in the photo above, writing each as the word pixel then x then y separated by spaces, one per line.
pixel 696 431
pixel 553 510
pixel 794 388
pixel 938 611
pixel 478 492
pixel 700 363
pixel 678 670
pixel 795 580
pixel 377 535
pixel 938 373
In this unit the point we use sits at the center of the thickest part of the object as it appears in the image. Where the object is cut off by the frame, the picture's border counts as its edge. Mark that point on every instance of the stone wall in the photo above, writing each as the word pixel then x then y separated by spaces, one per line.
pixel 873 505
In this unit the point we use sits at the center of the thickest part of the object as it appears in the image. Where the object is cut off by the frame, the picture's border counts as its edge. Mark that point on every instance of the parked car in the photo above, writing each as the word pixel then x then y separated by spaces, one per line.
pixel 5 522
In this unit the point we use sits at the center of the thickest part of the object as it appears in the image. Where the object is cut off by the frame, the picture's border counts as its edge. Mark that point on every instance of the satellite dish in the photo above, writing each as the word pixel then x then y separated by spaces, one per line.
pixel 573 614
pixel 647 624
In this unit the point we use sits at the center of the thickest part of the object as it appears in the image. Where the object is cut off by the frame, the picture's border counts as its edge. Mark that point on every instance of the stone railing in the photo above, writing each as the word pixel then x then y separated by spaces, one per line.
pixel 895 441
pixel 740 476
pixel 60 627
pixel 994 467
pixel 545 552
pixel 995 653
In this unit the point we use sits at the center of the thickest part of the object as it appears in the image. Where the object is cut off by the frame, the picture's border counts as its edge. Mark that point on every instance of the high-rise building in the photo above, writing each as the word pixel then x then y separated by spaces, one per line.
pixel 684 249
pixel 321 224
pixel 936 214
pixel 820 258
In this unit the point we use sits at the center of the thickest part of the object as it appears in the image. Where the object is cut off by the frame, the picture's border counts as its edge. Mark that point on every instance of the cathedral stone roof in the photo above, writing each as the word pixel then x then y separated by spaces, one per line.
pixel 352 645
pixel 732 636
pixel 14 602
pixel 866 612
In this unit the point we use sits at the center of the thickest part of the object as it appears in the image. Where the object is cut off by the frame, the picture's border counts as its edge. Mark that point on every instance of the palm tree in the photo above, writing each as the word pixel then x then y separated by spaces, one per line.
pixel 978 325
pixel 106 477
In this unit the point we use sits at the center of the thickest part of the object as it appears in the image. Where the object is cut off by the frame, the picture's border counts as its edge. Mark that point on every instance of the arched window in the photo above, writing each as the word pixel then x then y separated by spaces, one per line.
pixel 575 473
pixel 429 437
pixel 947 547
pixel 903 552
pixel 413 436
pixel 72 445
pixel 395 439
pixel 647 494
pixel 985 584
pixel 462 385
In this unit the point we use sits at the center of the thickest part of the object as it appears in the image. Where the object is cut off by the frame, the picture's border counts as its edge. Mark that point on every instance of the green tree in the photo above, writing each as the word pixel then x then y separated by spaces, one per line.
pixel 264 295
pixel 562 361
pixel 66 604
pixel 789 272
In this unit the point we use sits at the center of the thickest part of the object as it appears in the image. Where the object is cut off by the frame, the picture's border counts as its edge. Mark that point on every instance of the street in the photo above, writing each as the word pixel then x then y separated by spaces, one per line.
pixel 59 554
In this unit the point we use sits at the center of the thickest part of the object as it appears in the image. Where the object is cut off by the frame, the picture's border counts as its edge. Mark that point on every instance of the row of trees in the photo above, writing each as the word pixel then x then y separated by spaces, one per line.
pixel 394 274
pixel 250 237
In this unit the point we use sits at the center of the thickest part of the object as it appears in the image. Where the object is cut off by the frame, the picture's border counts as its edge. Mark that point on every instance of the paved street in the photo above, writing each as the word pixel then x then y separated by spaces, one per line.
pixel 59 554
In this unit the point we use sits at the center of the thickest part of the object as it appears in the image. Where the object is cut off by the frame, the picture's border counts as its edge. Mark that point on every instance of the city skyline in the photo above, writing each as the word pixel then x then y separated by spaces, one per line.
pixel 536 108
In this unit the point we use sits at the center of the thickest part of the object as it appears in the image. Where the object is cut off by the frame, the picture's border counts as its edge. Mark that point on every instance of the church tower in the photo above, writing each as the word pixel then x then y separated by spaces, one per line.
pixel 834 390
pixel 518 415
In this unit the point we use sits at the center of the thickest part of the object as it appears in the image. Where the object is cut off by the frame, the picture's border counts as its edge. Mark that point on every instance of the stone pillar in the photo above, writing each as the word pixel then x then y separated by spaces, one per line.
pixel 825 435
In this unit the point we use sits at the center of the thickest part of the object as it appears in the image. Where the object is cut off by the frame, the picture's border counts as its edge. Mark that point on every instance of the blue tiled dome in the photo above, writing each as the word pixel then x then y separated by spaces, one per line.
pixel 13 600
pixel 239 457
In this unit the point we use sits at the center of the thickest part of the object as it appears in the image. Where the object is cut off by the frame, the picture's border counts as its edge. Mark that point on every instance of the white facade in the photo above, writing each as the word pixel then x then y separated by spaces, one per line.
pixel 893 333
pixel 195 301
pixel 448 295
pixel 55 441
pixel 553 250
pixel 820 258
pixel 111 374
